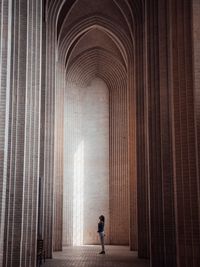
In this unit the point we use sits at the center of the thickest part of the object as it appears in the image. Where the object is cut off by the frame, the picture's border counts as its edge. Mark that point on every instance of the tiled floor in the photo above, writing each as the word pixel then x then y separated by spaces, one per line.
pixel 88 256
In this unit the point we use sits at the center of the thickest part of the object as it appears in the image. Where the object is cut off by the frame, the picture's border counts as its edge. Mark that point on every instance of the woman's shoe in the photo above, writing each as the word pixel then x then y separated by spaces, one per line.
pixel 102 252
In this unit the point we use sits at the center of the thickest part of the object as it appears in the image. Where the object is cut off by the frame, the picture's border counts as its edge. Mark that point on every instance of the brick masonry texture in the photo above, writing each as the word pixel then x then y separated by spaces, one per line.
pixel 147 53
pixel 98 64
pixel 86 163
pixel 89 257
pixel 20 120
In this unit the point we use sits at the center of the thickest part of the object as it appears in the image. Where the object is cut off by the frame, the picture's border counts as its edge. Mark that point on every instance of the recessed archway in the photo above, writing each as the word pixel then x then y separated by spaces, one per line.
pixel 101 46
pixel 96 55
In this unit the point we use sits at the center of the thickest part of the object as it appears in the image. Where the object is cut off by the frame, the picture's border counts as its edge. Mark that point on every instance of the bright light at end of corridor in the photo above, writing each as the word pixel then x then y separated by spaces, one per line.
pixel 78 195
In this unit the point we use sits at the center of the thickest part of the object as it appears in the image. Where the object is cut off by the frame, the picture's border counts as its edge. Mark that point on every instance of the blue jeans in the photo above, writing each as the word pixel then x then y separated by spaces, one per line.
pixel 102 235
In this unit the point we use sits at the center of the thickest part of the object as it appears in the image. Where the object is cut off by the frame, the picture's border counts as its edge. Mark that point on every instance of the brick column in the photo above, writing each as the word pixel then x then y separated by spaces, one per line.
pixel 58 159
pixel 186 180
pixel 23 134
pixel 162 221
pixel 42 128
pixel 49 140
pixel 142 141
pixel 196 57
pixel 132 155
pixel 5 61
pixel 119 178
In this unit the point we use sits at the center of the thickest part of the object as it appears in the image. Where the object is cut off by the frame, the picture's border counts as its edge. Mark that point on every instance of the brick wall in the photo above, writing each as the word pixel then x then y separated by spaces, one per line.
pixel 86 155
pixel 100 63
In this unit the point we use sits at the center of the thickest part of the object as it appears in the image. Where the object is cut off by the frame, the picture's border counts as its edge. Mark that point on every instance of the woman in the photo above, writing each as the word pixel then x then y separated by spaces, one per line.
pixel 101 232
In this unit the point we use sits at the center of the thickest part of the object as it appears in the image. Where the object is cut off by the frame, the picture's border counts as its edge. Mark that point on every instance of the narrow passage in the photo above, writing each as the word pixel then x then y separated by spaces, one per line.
pixel 87 256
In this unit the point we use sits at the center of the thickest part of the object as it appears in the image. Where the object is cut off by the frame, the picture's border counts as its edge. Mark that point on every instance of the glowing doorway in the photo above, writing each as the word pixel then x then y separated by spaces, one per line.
pixel 78 195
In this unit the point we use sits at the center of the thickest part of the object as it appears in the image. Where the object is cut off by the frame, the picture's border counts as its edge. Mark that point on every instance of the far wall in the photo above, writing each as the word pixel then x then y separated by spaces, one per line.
pixel 86 162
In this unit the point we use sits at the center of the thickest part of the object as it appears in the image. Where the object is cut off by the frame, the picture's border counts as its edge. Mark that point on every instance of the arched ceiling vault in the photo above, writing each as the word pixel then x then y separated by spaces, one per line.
pixel 61 10
pixel 92 38
pixel 97 62
pixel 74 10
pixel 95 38
pixel 115 33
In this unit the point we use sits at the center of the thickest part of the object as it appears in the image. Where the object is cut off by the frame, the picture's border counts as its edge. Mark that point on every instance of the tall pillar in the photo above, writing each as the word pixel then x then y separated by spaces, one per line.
pixel 142 141
pixel 173 180
pixel 23 118
pixel 196 76
pixel 49 134
pixel 53 135
pixel 186 179
pixel 58 159
pixel 119 178
pixel 162 219
pixel 132 156
pixel 42 129
pixel 5 61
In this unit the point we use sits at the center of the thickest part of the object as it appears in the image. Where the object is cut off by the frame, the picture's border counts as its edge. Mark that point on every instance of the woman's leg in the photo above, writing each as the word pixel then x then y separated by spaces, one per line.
pixel 101 235
pixel 102 242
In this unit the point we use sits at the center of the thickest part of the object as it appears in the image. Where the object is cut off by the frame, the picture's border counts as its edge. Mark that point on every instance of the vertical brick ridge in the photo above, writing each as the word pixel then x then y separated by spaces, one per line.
pixel 156 223
pixel 53 143
pixel 162 230
pixel 186 179
pixel 49 141
pixel 196 62
pixel 166 136
pixel 119 222
pixel 58 170
pixel 5 61
pixel 132 157
pixel 142 141
pixel 16 164
pixel 32 141
pixel 42 132
pixel 23 155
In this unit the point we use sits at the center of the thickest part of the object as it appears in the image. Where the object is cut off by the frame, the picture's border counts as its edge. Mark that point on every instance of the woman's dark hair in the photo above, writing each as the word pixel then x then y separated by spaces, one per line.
pixel 102 218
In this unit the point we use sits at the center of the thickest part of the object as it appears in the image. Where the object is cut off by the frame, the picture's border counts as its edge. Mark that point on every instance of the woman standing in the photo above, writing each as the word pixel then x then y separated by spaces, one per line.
pixel 101 232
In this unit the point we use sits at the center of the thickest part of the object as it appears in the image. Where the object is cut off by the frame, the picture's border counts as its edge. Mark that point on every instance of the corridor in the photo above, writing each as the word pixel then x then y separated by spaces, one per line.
pixel 87 256
pixel 100 115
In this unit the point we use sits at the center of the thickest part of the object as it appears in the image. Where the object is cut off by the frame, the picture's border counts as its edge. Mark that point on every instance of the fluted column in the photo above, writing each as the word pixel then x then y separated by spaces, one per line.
pixel 119 179
pixel 49 138
pixel 142 141
pixel 162 220
pixel 196 62
pixel 132 157
pixel 20 233
pixel 42 129
pixel 53 136
pixel 5 77
pixel 186 179
pixel 58 159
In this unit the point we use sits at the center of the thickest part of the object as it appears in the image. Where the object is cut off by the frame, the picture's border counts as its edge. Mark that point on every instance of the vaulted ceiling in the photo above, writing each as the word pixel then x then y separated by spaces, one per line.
pixel 95 38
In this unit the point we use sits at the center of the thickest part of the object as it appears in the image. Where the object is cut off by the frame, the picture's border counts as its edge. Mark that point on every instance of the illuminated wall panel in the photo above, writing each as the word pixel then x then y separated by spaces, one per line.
pixel 86 162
